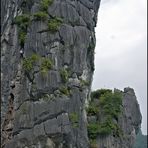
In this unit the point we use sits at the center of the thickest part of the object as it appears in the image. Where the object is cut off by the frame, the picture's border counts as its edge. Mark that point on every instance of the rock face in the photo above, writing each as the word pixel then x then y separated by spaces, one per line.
pixel 127 123
pixel 48 110
pixel 47 57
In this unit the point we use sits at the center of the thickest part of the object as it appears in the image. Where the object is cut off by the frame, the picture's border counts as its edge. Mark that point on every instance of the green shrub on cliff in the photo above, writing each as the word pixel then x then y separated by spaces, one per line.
pixel 74 118
pixel 84 82
pixel 95 129
pixel 65 90
pixel 93 144
pixel 97 94
pixel 28 63
pixel 45 4
pixel 22 22
pixel 108 105
pixel 64 75
pixel 40 16
pixel 93 109
pixel 46 64
pixel 111 103
pixel 22 37
pixel 54 24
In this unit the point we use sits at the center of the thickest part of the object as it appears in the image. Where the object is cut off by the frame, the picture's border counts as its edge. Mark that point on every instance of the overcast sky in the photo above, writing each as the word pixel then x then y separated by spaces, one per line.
pixel 121 53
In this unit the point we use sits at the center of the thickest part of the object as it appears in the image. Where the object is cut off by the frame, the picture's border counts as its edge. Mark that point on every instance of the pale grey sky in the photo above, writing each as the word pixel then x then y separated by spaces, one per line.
pixel 121 49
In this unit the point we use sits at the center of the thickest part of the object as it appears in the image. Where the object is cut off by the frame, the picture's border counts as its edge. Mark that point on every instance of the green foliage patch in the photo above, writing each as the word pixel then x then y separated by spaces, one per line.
pixel 40 16
pixel 97 94
pixel 111 103
pixel 54 24
pixel 93 144
pixel 35 57
pixel 45 4
pixel 95 129
pixel 74 118
pixel 64 75
pixel 22 21
pixel 30 62
pixel 46 65
pixel 93 109
pixel 109 106
pixel 65 90
pixel 27 64
pixel 47 97
pixel 22 37
pixel 84 82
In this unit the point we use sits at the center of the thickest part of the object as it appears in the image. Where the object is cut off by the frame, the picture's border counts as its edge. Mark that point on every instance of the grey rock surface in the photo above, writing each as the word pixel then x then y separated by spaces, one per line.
pixel 45 111
pixel 44 105
pixel 129 122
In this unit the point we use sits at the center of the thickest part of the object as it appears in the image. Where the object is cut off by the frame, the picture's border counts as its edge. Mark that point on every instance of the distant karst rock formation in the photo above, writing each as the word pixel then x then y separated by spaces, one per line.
pixel 114 118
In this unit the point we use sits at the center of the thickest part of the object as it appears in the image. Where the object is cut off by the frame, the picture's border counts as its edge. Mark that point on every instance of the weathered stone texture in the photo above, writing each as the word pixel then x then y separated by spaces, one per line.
pixel 42 112
pixel 129 122
pixel 47 111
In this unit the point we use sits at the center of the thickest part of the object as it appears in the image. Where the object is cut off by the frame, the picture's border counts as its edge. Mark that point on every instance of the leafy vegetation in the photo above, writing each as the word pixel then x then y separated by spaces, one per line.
pixel 47 97
pixel 54 24
pixel 64 75
pixel 40 16
pixel 22 21
pixel 35 57
pixel 45 65
pixel 109 106
pixel 111 103
pixel 104 128
pixel 74 119
pixel 22 37
pixel 93 144
pixel 93 109
pixel 84 82
pixel 28 63
pixel 65 90
pixel 45 4
pixel 97 94
pixel 95 129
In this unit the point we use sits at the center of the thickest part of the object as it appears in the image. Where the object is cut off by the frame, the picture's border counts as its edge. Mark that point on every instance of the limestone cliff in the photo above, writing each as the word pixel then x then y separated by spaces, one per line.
pixel 47 66
pixel 47 58
pixel 114 118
